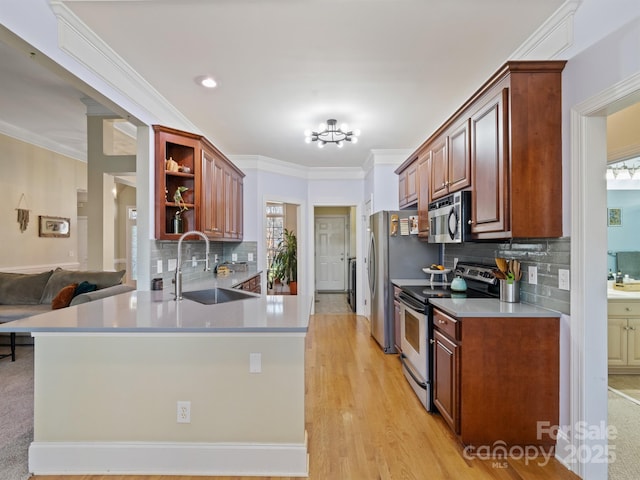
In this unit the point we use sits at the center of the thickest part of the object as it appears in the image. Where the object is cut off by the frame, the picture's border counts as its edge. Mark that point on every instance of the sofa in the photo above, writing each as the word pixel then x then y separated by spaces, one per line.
pixel 26 294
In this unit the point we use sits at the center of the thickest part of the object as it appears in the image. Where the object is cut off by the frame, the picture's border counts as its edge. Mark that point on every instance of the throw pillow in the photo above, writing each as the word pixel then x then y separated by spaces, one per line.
pixel 64 297
pixel 85 287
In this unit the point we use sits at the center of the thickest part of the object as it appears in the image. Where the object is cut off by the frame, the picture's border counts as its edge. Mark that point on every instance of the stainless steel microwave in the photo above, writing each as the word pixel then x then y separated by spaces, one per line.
pixel 449 218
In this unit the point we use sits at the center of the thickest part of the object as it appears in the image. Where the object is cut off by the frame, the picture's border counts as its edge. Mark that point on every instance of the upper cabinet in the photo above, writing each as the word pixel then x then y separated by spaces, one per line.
pixel 408 186
pixel 212 187
pixel 450 164
pixel 505 145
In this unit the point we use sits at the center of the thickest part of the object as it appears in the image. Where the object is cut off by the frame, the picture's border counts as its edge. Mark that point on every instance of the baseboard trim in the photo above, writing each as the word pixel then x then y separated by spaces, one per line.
pixel 160 458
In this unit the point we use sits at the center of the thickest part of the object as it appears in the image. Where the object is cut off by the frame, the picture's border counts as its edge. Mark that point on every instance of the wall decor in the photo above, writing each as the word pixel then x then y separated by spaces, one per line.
pixel 23 214
pixel 614 217
pixel 53 226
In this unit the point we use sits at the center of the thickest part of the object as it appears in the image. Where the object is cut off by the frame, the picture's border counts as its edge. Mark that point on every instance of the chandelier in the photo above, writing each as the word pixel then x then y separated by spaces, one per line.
pixel 331 133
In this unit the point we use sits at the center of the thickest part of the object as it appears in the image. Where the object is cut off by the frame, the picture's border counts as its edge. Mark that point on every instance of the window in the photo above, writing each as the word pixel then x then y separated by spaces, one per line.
pixel 275 228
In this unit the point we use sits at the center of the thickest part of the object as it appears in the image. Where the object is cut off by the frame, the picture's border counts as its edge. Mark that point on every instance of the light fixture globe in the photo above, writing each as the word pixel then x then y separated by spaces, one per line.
pixel 330 133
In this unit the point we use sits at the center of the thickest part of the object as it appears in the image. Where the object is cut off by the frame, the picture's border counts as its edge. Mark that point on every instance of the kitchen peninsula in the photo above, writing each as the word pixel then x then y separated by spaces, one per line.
pixel 139 383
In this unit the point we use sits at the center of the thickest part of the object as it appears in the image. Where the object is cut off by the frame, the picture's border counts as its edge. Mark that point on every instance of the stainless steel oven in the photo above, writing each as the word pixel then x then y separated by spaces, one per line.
pixel 416 322
pixel 415 347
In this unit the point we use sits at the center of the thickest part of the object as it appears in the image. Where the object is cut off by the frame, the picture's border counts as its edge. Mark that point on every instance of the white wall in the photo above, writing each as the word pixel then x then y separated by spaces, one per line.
pixel 50 183
pixel 605 53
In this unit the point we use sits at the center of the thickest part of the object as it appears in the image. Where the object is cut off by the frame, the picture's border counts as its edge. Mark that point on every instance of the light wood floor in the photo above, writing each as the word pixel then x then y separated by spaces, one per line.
pixel 365 423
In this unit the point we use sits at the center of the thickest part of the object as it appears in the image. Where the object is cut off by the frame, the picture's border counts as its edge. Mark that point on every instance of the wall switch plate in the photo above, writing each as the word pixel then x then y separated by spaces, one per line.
pixel 250 257
pixel 184 412
pixel 234 257
pixel 215 258
pixel 255 363
pixel 194 261
pixel 563 279
pixel 171 264
pixel 532 275
pixel 159 266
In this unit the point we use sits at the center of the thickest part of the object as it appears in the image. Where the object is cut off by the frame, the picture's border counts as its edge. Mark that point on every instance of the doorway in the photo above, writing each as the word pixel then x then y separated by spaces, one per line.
pixel 588 370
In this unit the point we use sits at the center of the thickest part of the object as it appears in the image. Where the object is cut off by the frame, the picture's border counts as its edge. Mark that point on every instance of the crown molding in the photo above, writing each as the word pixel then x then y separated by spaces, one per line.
pixel 271 165
pixel 81 43
pixel 553 37
pixel 42 142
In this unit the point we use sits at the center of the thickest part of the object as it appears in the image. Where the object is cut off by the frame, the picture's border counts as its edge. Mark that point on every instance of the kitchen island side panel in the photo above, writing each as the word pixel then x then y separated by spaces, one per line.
pixel 125 388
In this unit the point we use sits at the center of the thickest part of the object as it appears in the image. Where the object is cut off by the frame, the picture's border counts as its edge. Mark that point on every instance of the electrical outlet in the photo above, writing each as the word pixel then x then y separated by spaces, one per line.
pixel 234 257
pixel 250 257
pixel 159 266
pixel 255 363
pixel 171 264
pixel 215 258
pixel 533 275
pixel 194 261
pixel 184 411
pixel 563 279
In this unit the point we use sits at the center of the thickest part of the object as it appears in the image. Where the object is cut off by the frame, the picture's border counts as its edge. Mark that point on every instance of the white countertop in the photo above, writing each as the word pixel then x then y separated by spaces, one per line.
pixel 157 311
pixel 419 282
pixel 617 295
pixel 489 307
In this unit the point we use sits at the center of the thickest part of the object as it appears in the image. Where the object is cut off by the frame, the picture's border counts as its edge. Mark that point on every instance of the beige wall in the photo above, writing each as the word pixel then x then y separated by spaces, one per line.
pixel 49 182
pixel 119 388
pixel 126 197
pixel 623 134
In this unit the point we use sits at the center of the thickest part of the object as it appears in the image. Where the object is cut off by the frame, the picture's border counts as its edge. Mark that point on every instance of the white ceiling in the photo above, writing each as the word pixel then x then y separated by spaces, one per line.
pixel 395 69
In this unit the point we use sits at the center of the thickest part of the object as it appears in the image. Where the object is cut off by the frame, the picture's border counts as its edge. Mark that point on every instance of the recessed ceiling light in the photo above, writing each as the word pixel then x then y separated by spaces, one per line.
pixel 206 81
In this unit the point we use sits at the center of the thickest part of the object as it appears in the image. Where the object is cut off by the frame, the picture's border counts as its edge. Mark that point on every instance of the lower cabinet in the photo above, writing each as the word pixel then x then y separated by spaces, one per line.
pixel 623 337
pixel 253 284
pixel 496 378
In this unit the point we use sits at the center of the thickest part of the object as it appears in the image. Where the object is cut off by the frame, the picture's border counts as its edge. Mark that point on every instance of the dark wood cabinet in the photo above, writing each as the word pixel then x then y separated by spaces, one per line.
pixel 446 376
pixel 253 284
pixel 450 164
pixel 438 175
pixel 214 195
pixel 183 149
pixel 408 186
pixel 424 165
pixel 495 378
pixel 505 145
pixel 517 153
pixel 489 209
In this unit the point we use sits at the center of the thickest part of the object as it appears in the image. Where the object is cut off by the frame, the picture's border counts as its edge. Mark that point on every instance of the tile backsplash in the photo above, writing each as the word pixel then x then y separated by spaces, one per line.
pixel 549 255
pixel 165 253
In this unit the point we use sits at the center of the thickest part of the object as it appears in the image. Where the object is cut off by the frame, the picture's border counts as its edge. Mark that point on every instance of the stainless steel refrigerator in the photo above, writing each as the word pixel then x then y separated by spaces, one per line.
pixel 393 254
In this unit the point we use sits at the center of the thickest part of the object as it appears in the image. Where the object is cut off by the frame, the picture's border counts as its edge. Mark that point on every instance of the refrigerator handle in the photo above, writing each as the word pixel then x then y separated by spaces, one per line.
pixel 372 264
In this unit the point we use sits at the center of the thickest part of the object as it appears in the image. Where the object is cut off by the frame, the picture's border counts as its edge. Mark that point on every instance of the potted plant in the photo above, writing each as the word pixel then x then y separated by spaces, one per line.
pixel 182 206
pixel 285 261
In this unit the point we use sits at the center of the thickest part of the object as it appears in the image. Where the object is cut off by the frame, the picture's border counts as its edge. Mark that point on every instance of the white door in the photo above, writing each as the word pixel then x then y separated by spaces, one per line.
pixel 331 261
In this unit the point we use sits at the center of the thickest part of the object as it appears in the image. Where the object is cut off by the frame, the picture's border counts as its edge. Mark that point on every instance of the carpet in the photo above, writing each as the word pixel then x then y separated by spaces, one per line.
pixel 16 414
pixel 624 415
pixel 628 385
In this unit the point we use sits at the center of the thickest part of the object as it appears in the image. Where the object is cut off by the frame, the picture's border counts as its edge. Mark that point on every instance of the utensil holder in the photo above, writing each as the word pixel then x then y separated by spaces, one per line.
pixel 509 291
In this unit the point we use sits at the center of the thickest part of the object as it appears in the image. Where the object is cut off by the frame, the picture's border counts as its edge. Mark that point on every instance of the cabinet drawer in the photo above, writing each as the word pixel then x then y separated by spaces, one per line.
pixel 624 309
pixel 446 324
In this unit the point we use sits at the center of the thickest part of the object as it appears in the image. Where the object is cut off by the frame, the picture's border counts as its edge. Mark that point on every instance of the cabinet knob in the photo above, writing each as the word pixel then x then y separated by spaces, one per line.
pixel 627 309
pixel 432 341
pixel 441 322
pixel 470 222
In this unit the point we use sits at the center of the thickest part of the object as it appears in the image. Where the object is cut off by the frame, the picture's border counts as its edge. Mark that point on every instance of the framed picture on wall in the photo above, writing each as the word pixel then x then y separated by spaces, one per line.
pixel 53 226
pixel 614 217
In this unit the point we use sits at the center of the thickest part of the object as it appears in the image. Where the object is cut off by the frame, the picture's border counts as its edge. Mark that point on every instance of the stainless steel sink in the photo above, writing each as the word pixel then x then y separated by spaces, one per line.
pixel 213 296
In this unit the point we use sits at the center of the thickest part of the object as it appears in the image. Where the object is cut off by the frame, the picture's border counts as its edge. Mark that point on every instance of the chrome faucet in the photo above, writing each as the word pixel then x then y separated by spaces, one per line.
pixel 178 277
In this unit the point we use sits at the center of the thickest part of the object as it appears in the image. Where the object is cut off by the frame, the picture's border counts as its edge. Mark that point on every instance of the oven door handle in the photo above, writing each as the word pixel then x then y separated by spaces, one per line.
pixel 411 303
pixel 406 365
